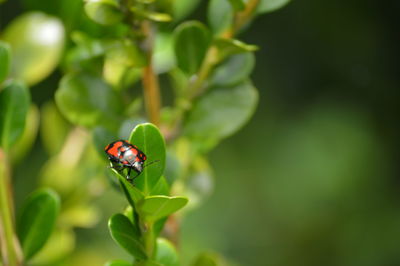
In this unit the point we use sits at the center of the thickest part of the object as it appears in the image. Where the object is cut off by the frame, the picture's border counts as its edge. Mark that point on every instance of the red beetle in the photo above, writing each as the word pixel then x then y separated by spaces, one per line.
pixel 123 155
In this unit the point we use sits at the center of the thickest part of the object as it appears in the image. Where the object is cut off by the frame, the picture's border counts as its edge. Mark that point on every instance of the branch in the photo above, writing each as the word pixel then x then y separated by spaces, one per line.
pixel 151 88
pixel 10 250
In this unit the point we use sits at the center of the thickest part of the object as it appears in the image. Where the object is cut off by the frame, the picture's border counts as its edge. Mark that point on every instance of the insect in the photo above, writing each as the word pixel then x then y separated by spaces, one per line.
pixel 123 154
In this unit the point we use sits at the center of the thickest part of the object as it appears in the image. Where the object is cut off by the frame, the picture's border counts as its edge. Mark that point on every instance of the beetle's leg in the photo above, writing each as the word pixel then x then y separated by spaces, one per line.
pixel 116 166
pixel 150 163
pixel 128 176
pixel 133 178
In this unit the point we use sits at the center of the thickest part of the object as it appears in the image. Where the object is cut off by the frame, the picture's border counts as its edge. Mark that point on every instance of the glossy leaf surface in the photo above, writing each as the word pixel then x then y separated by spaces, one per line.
pixel 37 42
pixel 149 140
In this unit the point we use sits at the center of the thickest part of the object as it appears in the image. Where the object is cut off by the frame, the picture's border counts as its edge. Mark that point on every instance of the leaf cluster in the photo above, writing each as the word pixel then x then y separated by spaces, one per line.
pixel 107 50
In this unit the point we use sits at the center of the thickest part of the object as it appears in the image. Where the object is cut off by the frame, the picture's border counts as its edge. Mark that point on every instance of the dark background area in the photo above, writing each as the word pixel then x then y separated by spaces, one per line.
pixel 313 178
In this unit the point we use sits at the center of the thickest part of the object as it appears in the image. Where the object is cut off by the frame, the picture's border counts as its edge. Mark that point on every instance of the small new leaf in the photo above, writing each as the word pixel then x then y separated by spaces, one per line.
pixel 266 6
pixel 104 12
pixel 154 16
pixel 227 47
pixel 156 207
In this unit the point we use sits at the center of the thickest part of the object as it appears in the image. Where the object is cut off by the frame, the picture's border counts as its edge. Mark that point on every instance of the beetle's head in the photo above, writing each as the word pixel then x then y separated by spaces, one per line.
pixel 138 166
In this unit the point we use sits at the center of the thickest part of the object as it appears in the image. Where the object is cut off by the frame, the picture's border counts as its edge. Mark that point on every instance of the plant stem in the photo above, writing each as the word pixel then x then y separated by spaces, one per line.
pixel 149 240
pixel 241 18
pixel 197 87
pixel 151 86
pixel 9 244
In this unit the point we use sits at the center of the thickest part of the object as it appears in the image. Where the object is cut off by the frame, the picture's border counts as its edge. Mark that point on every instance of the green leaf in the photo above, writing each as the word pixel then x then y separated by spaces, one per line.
pixel 221 112
pixel 159 206
pixel 122 57
pixel 54 128
pixel 207 259
pixel 118 263
pixel 86 51
pixel 86 100
pixel 37 220
pixel 132 194
pixel 14 105
pixel 126 235
pixel 37 42
pixel 228 47
pixel 27 139
pixel 105 12
pixel 161 188
pixel 233 70
pixel 60 244
pixel 192 40
pixel 266 6
pixel 237 5
pixel 219 15
pixel 5 59
pixel 127 53
pixel 80 215
pixel 182 8
pixel 149 140
pixel 154 16
pixel 163 53
pixel 166 253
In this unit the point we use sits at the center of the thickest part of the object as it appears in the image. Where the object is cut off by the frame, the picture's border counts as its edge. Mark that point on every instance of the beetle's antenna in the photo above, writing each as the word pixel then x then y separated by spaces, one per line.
pixel 156 161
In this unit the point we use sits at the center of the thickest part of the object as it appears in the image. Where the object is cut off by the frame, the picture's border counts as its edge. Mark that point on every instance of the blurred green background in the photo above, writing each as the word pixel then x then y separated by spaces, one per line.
pixel 313 178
